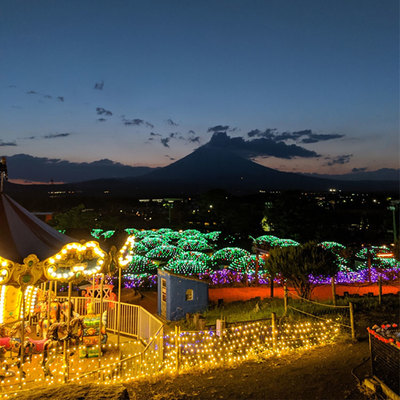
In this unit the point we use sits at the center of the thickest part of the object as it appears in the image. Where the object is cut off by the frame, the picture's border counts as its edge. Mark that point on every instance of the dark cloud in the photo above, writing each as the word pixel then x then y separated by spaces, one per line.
pixel 362 169
pixel 218 128
pixel 171 123
pixel 5 144
pixel 192 132
pixel 99 85
pixel 101 119
pixel 56 135
pixel 174 135
pixel 234 129
pixel 342 159
pixel 305 136
pixel 46 96
pixel 103 111
pixel 137 122
pixel 195 139
pixel 315 137
pixel 154 134
pixel 165 141
pixel 268 133
pixel 169 157
pixel 259 147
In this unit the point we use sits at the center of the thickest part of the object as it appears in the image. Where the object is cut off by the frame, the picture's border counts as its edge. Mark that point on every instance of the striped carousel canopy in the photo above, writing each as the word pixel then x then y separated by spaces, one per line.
pixel 22 234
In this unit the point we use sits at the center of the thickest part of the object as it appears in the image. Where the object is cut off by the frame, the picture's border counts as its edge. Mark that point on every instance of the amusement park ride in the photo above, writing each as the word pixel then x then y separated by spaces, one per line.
pixel 33 259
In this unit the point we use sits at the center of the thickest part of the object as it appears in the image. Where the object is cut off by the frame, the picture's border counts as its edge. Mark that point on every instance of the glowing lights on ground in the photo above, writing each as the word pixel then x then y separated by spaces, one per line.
pixel 184 351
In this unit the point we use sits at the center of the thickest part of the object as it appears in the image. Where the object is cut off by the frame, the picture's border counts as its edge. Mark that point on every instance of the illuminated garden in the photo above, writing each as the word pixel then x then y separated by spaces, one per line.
pixel 53 333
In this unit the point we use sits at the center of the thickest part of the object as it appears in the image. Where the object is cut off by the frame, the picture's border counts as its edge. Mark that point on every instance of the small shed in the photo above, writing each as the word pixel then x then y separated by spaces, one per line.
pixel 179 294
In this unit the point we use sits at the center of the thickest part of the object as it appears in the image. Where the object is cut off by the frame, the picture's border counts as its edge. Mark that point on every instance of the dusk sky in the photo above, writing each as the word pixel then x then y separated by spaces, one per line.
pixel 147 82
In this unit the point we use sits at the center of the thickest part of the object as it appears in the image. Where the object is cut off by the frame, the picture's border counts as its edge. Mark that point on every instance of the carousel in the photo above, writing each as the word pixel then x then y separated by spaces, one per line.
pixel 34 258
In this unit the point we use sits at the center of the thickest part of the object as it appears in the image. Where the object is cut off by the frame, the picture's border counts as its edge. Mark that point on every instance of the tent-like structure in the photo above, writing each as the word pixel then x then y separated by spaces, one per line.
pixel 22 234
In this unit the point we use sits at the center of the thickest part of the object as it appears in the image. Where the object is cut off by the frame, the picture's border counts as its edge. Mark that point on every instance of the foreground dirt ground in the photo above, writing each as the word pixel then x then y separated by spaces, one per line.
pixel 322 373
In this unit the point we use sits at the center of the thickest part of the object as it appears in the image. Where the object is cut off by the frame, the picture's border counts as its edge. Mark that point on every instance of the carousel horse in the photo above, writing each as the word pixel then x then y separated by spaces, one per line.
pixel 57 312
pixel 54 343
pixel 10 339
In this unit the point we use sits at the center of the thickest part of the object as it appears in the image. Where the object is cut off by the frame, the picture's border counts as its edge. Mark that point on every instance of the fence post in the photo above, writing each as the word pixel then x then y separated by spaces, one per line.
pixel 333 290
pixel 285 297
pixel 380 289
pixel 353 331
pixel 177 347
pixel 273 325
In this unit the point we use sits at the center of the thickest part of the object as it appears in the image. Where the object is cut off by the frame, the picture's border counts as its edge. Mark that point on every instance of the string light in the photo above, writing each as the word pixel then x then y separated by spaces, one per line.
pixel 189 350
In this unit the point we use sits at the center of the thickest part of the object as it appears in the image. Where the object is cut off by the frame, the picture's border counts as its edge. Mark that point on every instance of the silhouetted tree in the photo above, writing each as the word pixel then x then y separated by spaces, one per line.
pixel 296 263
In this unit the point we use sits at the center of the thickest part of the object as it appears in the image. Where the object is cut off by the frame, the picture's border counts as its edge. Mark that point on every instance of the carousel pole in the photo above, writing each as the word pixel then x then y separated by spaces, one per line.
pixel 101 316
pixel 66 341
pixel 22 352
pixel 48 302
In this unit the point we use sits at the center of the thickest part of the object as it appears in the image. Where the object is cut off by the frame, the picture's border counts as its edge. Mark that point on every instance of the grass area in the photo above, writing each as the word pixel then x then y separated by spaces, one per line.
pixel 367 311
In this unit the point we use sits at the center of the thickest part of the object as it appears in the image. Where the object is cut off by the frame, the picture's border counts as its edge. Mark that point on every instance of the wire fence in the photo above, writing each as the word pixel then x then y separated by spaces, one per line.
pixel 343 315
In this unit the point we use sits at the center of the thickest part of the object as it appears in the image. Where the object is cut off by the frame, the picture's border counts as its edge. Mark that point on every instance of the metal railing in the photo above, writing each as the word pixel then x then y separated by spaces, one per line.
pixel 135 322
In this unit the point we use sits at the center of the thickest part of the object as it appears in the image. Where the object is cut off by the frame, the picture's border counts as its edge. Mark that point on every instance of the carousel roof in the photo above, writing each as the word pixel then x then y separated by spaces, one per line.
pixel 21 233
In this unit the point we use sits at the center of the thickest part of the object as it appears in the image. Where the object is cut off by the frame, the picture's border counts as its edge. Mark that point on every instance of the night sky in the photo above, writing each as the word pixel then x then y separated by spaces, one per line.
pixel 145 83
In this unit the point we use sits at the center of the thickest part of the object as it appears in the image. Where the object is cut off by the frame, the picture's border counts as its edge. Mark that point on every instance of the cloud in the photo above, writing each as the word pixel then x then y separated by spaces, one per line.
pixel 259 147
pixel 306 136
pixel 5 144
pixel 103 111
pixel 46 96
pixel 99 85
pixel 165 141
pixel 342 159
pixel 195 139
pixel 169 157
pixel 154 134
pixel 171 123
pixel 56 135
pixel 218 128
pixel 192 132
pixel 137 122
pixel 101 119
pixel 362 169
pixel 315 137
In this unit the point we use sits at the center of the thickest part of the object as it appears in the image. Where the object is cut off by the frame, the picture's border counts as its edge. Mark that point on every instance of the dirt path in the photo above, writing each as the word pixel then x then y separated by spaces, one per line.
pixel 323 373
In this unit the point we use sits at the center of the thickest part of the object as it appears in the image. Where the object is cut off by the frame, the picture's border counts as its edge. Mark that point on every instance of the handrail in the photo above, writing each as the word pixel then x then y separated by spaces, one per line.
pixel 153 338
pixel 123 360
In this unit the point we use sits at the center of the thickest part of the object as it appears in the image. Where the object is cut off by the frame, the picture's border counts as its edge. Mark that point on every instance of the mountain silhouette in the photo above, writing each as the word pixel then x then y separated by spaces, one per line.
pixel 211 167
pixel 207 168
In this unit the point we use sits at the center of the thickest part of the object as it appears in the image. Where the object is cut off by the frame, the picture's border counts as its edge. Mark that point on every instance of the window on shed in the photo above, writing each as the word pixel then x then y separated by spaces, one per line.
pixel 189 295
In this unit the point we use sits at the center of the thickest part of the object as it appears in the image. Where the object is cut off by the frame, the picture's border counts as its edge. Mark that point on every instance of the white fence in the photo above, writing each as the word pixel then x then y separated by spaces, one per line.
pixel 135 321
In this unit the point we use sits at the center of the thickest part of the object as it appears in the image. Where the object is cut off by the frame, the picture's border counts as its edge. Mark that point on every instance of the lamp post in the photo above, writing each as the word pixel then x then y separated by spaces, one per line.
pixel 393 205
